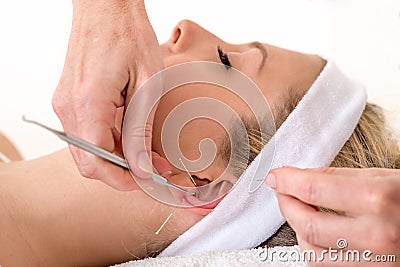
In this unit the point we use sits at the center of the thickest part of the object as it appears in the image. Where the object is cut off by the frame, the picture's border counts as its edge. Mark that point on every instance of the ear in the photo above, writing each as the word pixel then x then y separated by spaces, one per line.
pixel 204 207
pixel 161 164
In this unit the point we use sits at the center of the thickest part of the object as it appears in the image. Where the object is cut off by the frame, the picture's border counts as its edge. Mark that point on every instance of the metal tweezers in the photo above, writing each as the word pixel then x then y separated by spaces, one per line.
pixel 104 154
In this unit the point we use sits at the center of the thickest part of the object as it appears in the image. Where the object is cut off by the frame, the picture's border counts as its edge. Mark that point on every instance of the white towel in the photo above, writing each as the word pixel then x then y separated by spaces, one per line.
pixel 311 136
pixel 273 257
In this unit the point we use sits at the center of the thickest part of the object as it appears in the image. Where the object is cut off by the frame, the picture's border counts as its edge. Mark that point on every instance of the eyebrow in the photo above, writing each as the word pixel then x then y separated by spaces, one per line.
pixel 263 52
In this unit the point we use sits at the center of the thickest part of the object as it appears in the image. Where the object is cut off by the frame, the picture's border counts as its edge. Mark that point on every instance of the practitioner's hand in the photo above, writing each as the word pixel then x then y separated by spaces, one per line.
pixel 368 198
pixel 112 50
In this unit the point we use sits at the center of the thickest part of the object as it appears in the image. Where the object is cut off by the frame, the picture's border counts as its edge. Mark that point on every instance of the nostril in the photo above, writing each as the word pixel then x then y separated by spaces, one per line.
pixel 176 34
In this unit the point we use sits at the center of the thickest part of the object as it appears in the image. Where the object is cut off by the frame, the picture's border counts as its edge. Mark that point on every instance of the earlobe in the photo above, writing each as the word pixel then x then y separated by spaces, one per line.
pixel 207 208
pixel 161 164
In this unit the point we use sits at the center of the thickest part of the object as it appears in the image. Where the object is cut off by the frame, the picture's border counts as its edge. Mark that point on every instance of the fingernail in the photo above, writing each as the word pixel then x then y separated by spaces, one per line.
pixel 144 162
pixel 271 180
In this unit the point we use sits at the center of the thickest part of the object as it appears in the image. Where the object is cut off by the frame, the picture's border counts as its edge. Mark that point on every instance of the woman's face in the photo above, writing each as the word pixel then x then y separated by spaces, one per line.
pixel 275 71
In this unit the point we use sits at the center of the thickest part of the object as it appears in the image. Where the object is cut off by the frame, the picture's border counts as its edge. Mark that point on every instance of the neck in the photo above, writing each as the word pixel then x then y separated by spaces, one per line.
pixel 54 216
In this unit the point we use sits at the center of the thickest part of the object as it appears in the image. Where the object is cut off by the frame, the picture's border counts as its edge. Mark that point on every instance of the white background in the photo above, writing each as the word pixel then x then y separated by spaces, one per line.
pixel 362 36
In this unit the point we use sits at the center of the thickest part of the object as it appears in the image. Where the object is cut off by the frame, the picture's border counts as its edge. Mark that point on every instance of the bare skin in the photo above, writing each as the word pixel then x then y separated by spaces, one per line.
pixel 54 216
pixel 8 149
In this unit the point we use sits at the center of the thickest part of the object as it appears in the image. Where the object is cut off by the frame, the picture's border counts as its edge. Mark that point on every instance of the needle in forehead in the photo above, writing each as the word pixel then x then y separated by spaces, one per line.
pixel 188 173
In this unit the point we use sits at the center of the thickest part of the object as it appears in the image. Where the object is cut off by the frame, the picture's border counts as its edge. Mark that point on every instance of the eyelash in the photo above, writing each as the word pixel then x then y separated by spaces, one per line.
pixel 224 58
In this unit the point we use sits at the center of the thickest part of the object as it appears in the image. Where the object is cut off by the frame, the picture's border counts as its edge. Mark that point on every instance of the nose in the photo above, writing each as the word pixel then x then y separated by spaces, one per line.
pixel 188 34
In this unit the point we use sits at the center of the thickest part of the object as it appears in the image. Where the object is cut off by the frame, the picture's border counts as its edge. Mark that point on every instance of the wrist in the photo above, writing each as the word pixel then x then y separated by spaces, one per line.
pixel 114 5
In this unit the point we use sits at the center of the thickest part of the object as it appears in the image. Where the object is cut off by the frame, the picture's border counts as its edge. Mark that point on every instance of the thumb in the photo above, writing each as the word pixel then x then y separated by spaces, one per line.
pixel 161 164
pixel 138 126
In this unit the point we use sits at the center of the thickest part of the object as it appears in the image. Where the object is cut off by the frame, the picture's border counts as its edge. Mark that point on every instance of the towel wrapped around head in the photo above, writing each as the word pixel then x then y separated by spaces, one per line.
pixel 311 136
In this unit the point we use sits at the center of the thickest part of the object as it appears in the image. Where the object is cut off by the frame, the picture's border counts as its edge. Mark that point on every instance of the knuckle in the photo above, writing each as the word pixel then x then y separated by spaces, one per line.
pixel 308 231
pixel 58 100
pixel 58 104
pixel 379 196
pixel 310 191
pixel 71 96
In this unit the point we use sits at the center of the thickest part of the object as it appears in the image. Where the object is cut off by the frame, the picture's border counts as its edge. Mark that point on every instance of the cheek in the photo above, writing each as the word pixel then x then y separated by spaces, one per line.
pixel 176 59
pixel 200 138
pixel 198 52
pixel 190 133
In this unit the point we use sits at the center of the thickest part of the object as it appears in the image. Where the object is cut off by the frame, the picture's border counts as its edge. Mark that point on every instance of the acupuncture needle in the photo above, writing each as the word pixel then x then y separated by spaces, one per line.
pixel 104 154
pixel 188 173
pixel 165 222
pixel 172 212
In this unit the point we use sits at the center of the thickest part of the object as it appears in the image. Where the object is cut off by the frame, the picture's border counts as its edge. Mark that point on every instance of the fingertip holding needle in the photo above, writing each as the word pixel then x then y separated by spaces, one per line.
pixel 102 153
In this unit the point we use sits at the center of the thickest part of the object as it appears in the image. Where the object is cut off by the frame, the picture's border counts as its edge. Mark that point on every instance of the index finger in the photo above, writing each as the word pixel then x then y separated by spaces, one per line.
pixel 345 189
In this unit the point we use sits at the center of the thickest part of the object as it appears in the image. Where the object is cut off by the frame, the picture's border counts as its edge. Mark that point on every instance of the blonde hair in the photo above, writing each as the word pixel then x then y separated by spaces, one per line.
pixel 370 145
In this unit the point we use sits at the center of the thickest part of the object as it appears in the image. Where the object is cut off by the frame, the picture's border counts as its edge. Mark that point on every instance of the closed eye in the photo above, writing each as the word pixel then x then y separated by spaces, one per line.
pixel 224 58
